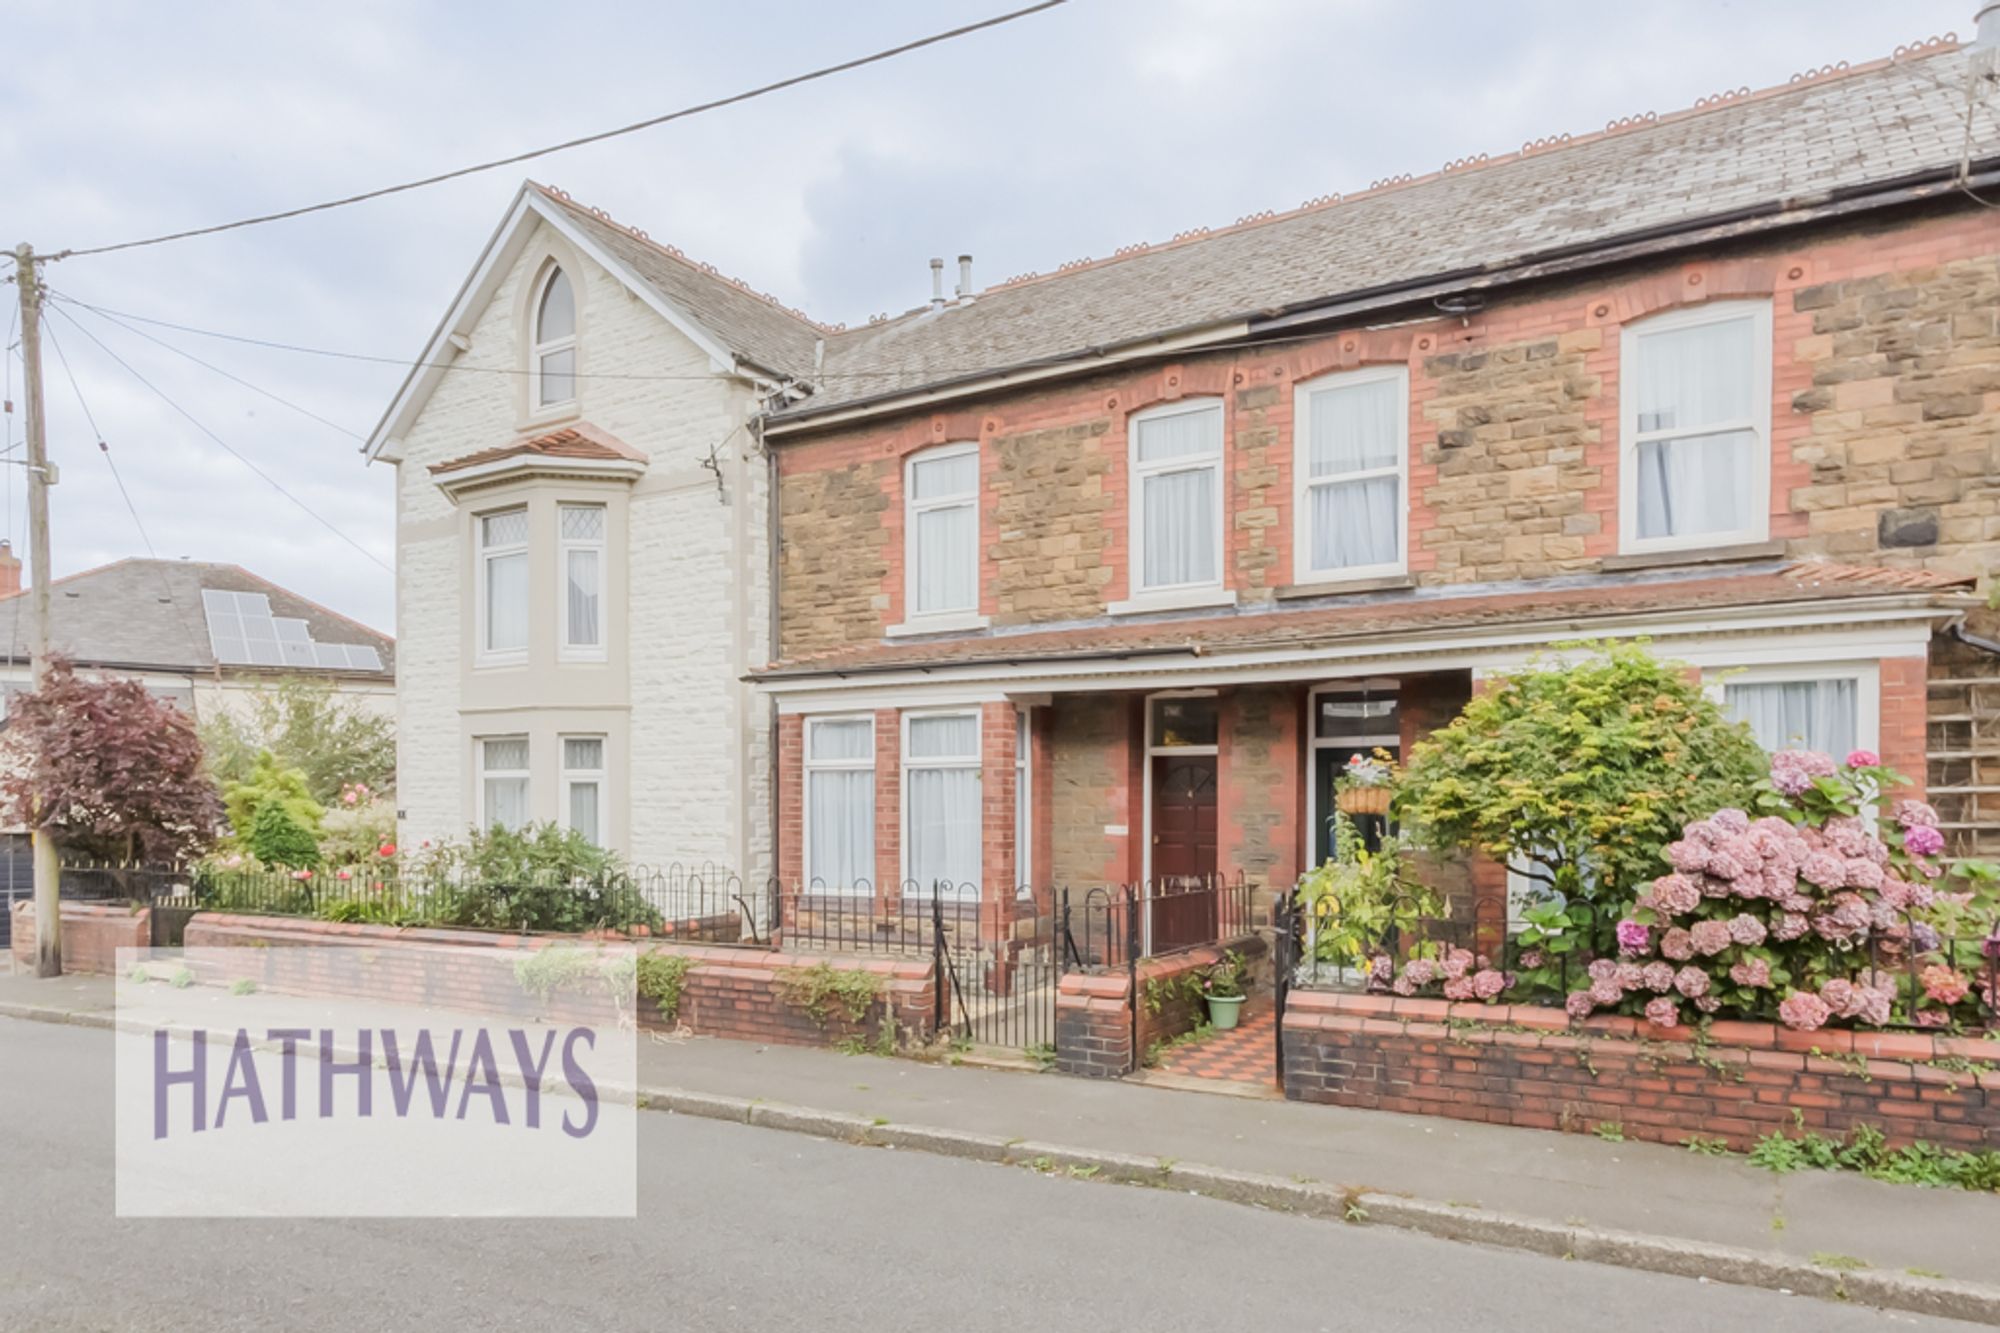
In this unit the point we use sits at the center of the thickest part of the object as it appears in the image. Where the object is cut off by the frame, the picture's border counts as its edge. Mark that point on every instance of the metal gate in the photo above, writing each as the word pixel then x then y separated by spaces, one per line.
pixel 996 977
pixel 17 881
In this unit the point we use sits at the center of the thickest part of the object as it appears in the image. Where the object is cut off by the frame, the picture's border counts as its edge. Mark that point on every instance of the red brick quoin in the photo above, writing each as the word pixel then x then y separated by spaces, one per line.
pixel 1525 1066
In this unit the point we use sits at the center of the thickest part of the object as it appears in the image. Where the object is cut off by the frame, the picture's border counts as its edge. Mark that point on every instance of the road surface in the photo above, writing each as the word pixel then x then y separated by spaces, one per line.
pixel 743 1228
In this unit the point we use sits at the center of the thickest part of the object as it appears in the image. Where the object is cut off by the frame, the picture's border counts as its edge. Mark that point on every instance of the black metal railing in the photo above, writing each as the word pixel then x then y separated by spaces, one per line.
pixel 1112 925
pixel 1323 947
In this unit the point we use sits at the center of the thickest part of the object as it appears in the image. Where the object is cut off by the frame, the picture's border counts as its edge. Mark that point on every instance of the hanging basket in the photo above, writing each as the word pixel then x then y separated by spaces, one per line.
pixel 1362 800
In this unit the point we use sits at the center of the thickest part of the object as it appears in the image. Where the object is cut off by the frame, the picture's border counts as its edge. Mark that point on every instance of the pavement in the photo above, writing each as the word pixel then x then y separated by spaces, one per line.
pixel 740 1227
pixel 1636 1205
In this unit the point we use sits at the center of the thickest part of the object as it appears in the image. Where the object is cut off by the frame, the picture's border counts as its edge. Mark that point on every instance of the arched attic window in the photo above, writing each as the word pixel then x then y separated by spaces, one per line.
pixel 553 355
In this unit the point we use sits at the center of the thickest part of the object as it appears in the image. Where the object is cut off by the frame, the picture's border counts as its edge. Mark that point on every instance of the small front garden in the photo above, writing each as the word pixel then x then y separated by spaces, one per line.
pixel 1675 873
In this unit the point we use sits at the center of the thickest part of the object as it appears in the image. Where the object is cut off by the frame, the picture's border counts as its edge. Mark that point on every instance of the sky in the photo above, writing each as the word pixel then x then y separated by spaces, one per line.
pixel 1065 135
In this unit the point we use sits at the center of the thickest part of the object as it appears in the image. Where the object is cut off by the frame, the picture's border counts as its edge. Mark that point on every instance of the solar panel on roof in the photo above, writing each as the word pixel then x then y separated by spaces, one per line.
pixel 243 632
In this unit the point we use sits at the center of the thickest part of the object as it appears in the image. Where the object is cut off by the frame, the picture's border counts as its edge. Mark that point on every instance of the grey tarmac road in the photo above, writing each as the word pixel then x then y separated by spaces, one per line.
pixel 743 1228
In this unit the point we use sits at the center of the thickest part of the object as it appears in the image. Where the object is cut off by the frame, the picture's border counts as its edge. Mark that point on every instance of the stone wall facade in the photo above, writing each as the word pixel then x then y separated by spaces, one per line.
pixel 686 592
pixel 1885 375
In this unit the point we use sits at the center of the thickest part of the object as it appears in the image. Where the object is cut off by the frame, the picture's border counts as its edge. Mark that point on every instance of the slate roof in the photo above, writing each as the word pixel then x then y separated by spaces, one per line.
pixel 148 613
pixel 1431 609
pixel 755 326
pixel 1832 129
pixel 579 441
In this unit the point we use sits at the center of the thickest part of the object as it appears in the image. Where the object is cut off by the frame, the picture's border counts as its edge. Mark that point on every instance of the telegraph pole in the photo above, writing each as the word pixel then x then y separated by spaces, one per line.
pixel 27 276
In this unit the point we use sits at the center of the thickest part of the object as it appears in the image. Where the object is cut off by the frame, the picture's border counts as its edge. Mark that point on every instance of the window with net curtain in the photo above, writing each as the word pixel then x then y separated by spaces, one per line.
pixel 942 843
pixel 1698 419
pixel 583 786
pixel 1818 715
pixel 581 530
pixel 554 353
pixel 1177 489
pixel 1351 430
pixel 942 530
pixel 503 782
pixel 503 564
pixel 840 804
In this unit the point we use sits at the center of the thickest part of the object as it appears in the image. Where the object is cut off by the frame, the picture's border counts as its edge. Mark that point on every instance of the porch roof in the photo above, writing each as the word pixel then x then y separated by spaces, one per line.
pixel 1420 611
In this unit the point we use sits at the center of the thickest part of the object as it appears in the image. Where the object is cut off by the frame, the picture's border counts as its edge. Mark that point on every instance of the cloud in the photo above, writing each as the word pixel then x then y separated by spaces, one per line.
pixel 1069 134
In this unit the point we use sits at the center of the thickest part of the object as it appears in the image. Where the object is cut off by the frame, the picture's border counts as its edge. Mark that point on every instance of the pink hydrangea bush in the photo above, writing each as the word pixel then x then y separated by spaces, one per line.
pixel 1458 974
pixel 1790 911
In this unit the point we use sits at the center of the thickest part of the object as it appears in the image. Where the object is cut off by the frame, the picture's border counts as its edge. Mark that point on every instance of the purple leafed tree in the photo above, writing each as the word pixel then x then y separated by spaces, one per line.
pixel 108 769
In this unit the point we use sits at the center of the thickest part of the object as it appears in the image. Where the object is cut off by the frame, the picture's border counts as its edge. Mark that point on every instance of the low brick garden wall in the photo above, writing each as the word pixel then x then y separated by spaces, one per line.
pixel 92 935
pixel 1099 1019
pixel 1526 1066
pixel 727 992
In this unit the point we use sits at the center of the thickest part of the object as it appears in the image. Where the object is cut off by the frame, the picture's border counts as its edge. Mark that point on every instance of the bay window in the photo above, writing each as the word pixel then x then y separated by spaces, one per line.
pixel 839 804
pixel 942 843
pixel 503 584
pixel 1177 497
pixel 1351 458
pixel 503 782
pixel 581 544
pixel 941 531
pixel 1696 427
pixel 583 786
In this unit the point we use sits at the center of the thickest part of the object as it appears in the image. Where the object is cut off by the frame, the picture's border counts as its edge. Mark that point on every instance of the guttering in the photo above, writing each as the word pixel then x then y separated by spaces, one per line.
pixel 969 663
pixel 1755 219
pixel 1801 612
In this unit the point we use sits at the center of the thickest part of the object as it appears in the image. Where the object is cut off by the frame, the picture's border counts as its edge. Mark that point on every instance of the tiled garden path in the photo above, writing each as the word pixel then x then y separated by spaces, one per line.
pixel 1245 1054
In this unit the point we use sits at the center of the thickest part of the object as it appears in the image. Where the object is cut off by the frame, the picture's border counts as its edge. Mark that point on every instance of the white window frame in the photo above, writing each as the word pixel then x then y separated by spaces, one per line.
pixel 539 348
pixel 1208 592
pixel 1630 437
pixel 1303 485
pixel 905 764
pixel 1024 803
pixel 966 617
pixel 565 650
pixel 484 654
pixel 481 773
pixel 1387 740
pixel 1867 678
pixel 807 767
pixel 599 777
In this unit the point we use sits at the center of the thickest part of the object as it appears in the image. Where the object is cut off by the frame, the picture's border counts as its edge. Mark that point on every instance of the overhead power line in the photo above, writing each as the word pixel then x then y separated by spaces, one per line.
pixel 226 447
pixel 102 447
pixel 825 71
pixel 206 365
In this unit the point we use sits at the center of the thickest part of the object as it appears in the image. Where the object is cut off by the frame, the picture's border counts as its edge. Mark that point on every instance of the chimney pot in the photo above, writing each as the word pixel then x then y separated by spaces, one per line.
pixel 965 268
pixel 10 569
pixel 937 284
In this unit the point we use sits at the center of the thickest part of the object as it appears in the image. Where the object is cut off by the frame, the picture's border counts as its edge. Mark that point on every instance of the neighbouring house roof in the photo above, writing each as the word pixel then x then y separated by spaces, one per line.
pixel 151 614
pixel 1563 604
pixel 581 440
pixel 1749 158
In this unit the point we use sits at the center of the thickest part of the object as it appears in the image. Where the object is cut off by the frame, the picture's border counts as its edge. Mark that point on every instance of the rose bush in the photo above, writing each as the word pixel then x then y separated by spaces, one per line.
pixel 1813 907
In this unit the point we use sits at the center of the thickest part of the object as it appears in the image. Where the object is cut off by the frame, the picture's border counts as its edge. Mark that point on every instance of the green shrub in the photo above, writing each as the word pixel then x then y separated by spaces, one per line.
pixel 661 978
pixel 823 991
pixel 277 838
pixel 1587 767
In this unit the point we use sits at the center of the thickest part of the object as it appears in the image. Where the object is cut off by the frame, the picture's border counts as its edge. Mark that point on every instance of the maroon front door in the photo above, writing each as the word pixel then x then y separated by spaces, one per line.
pixel 1183 909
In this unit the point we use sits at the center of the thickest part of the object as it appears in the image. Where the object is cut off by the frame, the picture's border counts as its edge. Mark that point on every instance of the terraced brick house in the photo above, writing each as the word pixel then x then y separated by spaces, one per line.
pixel 1101 575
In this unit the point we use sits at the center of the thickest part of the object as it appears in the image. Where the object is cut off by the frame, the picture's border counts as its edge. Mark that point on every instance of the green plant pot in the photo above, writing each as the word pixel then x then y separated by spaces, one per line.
pixel 1224 1011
